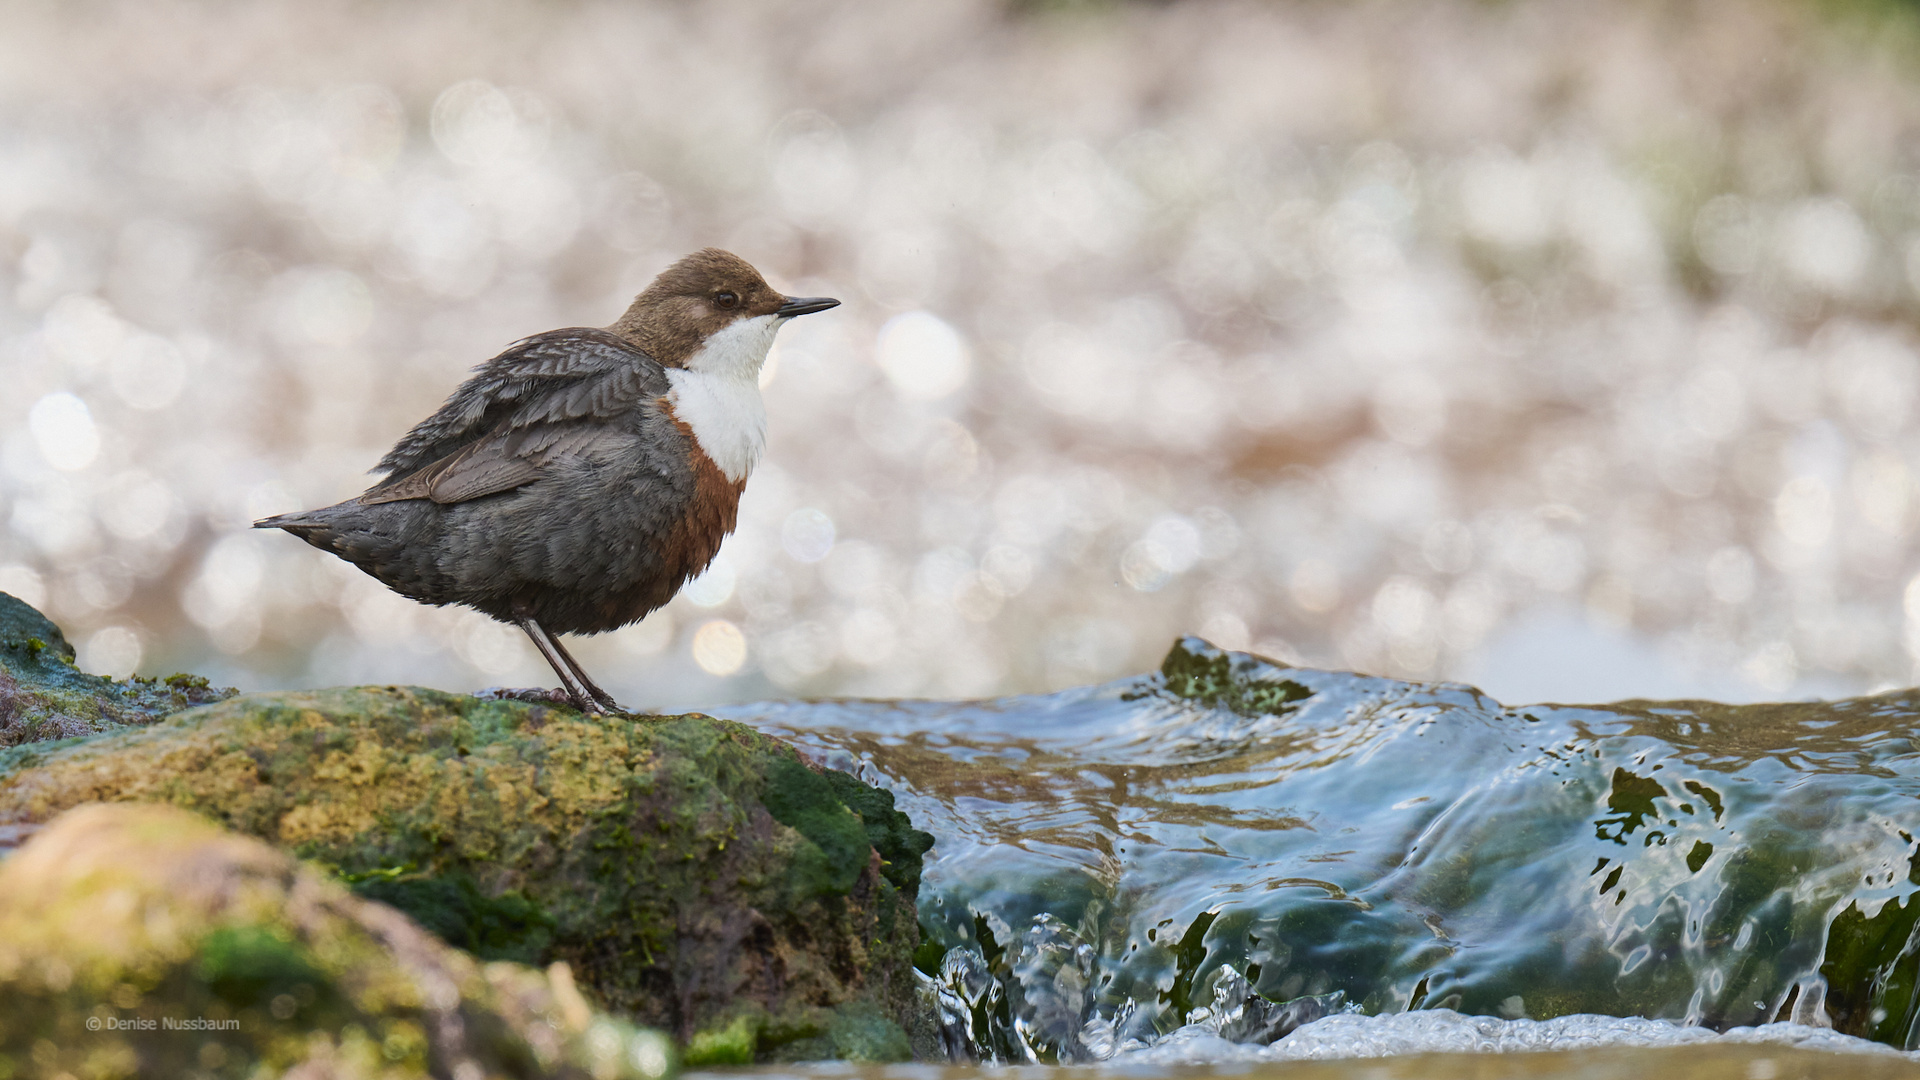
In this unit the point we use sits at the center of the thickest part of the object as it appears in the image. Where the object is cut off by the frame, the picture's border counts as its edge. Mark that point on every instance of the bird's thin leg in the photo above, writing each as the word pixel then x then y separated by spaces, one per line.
pixel 550 649
pixel 580 673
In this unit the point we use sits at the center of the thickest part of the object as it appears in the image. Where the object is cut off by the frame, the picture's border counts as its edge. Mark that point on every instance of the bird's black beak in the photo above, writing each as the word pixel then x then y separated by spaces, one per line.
pixel 805 305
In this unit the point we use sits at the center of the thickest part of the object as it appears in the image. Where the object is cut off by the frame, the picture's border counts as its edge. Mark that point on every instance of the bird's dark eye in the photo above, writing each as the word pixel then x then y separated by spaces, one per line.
pixel 726 300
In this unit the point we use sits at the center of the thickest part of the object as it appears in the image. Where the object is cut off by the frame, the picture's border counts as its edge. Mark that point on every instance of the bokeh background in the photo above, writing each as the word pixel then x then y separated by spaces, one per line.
pixel 1566 347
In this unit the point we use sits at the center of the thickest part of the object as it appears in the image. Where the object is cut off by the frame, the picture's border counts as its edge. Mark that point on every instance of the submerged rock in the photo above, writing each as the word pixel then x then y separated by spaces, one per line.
pixel 44 696
pixel 147 941
pixel 695 875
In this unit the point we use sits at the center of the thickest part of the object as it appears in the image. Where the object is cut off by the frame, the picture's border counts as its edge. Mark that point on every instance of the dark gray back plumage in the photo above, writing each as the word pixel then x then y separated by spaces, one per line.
pixel 559 375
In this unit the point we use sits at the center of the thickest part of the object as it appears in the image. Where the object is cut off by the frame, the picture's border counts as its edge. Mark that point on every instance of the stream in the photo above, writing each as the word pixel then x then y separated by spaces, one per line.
pixel 1232 862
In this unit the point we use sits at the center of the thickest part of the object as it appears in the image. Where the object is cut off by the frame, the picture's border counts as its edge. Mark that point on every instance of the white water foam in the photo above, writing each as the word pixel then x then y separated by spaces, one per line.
pixel 1443 1031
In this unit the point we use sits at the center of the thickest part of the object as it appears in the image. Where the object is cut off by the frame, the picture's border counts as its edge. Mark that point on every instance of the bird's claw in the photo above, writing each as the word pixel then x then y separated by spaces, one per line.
pixel 592 704
pixel 533 695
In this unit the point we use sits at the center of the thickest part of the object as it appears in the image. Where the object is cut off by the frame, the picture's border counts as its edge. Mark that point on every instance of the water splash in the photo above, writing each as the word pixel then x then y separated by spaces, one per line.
pixel 1233 848
pixel 1443 1031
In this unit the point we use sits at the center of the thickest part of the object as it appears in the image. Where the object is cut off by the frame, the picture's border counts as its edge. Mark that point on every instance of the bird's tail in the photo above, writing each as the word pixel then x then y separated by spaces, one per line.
pixel 352 531
pixel 317 527
pixel 297 524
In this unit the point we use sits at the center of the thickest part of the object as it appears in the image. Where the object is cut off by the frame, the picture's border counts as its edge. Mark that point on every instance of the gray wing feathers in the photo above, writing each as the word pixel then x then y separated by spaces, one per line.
pixel 516 457
pixel 560 375
pixel 479 475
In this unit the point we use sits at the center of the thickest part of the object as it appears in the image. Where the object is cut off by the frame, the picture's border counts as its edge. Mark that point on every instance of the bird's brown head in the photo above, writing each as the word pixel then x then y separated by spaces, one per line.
pixel 697 297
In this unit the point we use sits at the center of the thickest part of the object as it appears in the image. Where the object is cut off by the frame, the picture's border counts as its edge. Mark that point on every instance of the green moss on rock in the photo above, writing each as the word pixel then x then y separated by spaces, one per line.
pixel 146 941
pixel 861 1032
pixel 1199 672
pixel 44 696
pixel 504 927
pixel 803 800
pixel 731 1042
pixel 890 832
pixel 690 870
pixel 22 625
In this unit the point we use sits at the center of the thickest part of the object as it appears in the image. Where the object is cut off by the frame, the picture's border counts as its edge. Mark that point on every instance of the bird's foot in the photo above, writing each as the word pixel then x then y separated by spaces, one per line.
pixel 535 695
pixel 591 705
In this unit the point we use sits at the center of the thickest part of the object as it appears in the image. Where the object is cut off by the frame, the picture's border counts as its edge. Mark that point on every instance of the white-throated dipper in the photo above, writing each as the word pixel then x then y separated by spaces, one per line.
pixel 577 480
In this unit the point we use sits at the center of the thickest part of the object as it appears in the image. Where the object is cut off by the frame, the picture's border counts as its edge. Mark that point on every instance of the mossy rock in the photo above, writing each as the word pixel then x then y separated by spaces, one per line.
pixel 147 941
pixel 44 696
pixel 1197 671
pixel 691 871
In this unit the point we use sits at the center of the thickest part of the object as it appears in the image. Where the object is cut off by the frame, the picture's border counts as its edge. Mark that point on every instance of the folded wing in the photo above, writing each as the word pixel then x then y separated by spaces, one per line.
pixel 563 394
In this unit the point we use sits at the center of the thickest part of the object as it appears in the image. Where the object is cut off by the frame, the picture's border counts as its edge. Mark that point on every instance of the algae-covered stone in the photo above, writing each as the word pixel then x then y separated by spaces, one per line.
pixel 44 696
pixel 146 941
pixel 696 875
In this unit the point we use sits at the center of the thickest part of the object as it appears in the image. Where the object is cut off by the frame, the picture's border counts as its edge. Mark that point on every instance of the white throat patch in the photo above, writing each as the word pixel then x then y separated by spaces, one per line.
pixel 717 394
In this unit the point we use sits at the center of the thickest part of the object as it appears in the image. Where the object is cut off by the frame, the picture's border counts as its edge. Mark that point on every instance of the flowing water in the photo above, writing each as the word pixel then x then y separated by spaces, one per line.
pixel 1232 861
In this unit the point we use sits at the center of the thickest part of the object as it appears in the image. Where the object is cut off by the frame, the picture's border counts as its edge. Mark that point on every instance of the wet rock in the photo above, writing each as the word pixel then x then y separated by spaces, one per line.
pixel 1196 671
pixel 144 940
pixel 44 696
pixel 693 874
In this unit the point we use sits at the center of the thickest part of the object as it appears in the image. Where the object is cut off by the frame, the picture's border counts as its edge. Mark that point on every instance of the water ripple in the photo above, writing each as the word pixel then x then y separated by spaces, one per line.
pixel 1398 847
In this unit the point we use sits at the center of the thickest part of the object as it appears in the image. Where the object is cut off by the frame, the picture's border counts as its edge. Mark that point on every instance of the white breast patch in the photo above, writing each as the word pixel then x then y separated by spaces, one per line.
pixel 717 394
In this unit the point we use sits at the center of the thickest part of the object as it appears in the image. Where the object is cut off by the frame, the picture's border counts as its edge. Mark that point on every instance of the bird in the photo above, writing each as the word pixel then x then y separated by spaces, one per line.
pixel 577 480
